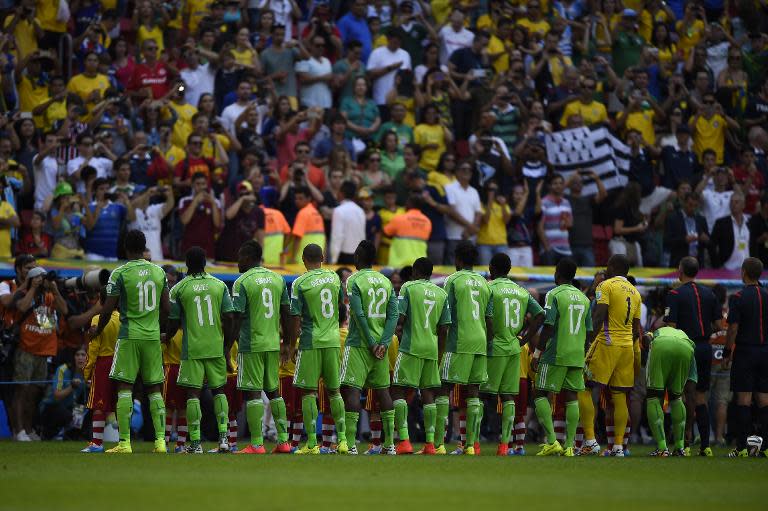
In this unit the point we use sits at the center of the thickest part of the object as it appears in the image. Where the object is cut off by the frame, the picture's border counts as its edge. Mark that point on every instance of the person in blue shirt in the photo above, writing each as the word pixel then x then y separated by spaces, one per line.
pixel 354 27
pixel 104 220
pixel 67 391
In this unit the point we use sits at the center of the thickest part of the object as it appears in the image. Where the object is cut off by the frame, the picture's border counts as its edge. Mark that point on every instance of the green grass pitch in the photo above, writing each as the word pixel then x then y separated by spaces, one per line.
pixel 55 476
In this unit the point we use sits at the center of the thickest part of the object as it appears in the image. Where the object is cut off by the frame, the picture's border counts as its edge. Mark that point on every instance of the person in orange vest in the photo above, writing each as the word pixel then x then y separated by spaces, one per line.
pixel 409 232
pixel 308 228
pixel 276 228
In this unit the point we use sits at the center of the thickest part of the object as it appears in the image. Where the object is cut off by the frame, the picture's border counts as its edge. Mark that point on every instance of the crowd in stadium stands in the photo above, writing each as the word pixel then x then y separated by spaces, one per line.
pixel 412 124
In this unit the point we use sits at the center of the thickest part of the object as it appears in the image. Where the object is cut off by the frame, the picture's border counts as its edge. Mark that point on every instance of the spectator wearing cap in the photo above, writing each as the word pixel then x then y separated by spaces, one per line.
pixel 709 126
pixel 409 232
pixel 67 223
pixel 151 206
pixel 347 226
pixel 678 160
pixel 354 27
pixel 730 237
pixel 243 221
pixel 383 64
pixel 465 202
pixel 316 75
pixel 627 42
pixel 104 221
pixel 685 232
pixel 38 306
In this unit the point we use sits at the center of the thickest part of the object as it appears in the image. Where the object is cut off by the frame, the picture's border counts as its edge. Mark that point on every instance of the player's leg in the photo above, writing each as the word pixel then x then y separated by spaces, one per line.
pixel 517 446
pixel 743 379
pixel 276 402
pixel 761 398
pixel 621 382
pixel 550 379
pixel 190 377
pixel 354 372
pixel 151 359
pixel 125 368
pixel 250 380
pixel 442 409
pixel 478 375
pixel 655 414
pixel 572 385
pixel 216 376
pixel 101 397
pixel 306 378
pixel 330 373
pixel 379 379
pixel 490 389
pixel 597 369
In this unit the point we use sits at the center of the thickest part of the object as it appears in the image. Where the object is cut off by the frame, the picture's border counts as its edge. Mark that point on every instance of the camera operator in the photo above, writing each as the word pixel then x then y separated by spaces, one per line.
pixel 38 304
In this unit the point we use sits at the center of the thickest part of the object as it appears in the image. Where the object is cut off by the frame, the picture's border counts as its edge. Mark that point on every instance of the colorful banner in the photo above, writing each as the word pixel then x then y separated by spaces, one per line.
pixel 538 274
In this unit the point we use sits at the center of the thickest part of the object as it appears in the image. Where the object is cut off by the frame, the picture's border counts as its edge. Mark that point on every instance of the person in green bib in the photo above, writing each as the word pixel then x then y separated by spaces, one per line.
pixel 464 361
pixel 670 365
pixel 372 321
pixel 141 290
pixel 202 308
pixel 425 317
pixel 316 299
pixel 559 358
pixel 511 303
pixel 263 307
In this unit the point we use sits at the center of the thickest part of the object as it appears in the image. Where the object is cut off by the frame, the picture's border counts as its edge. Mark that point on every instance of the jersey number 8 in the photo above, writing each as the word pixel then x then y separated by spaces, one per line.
pixel 326 303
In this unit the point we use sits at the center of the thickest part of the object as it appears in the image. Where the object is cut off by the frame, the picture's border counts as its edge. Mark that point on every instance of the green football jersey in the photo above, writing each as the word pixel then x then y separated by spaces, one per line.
pixel 373 311
pixel 567 311
pixel 672 333
pixel 469 299
pixel 140 285
pixel 425 307
pixel 258 295
pixel 198 301
pixel 511 302
pixel 316 297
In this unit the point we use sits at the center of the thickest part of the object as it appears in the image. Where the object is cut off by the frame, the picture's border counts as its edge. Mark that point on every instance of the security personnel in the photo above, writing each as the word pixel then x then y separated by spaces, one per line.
pixel 747 346
pixel 409 232
pixel 694 309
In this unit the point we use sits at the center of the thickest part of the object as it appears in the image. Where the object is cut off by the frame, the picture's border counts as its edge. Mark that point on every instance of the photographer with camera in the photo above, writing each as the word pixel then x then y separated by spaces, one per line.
pixel 21 25
pixel 36 304
pixel 151 207
pixel 87 147
pixel 200 213
pixel 104 219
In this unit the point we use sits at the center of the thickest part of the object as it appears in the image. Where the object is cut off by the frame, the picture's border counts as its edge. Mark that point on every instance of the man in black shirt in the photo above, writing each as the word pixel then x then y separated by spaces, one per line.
pixel 694 309
pixel 758 231
pixel 748 333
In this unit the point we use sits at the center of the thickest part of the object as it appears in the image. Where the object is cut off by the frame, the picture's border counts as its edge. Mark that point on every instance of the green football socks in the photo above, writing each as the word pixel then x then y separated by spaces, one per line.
pixel 430 414
pixel 571 422
pixel 388 425
pixel 254 413
pixel 309 413
pixel 350 422
pixel 281 419
pixel 474 416
pixel 157 411
pixel 221 409
pixel 401 419
pixel 337 411
pixel 123 412
pixel 442 406
pixel 194 415
pixel 544 414
pixel 677 413
pixel 656 422
pixel 507 421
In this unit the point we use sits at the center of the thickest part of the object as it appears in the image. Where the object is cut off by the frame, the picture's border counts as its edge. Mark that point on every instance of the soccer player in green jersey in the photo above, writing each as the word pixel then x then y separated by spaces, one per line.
pixel 316 298
pixel 364 364
pixel 425 317
pixel 670 365
pixel 201 305
pixel 261 300
pixel 141 290
pixel 559 361
pixel 464 361
pixel 511 304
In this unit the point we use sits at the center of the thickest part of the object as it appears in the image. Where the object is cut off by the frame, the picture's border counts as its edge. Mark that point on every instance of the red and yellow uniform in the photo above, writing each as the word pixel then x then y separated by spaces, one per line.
pixel 290 394
pixel 103 394
pixel 610 360
pixel 175 396
pixel 234 396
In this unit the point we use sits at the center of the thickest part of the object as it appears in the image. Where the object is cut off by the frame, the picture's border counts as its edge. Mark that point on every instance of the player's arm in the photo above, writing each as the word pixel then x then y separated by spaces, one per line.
pixel 106 313
pixel 165 305
pixel 357 314
pixel 534 323
pixel 549 319
pixel 670 316
pixel 489 321
pixel 228 313
pixel 637 330
pixel 294 323
pixel 734 318
pixel 442 335
pixel 390 324
pixel 599 313
pixel 286 348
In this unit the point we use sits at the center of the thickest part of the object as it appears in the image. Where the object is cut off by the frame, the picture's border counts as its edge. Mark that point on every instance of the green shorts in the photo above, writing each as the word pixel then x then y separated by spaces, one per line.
pixel 133 357
pixel 670 365
pixel 415 372
pixel 193 372
pixel 258 371
pixel 554 378
pixel 360 369
pixel 464 368
pixel 503 375
pixel 316 363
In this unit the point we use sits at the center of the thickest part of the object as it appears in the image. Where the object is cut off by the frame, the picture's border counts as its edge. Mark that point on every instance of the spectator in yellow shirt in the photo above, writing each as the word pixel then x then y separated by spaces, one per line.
pixel 592 112
pixel 496 214
pixel 24 28
pixel 30 82
pixel 640 113
pixel 8 220
pixel 90 85
pixel 691 28
pixel 535 22
pixel 708 127
pixel 432 136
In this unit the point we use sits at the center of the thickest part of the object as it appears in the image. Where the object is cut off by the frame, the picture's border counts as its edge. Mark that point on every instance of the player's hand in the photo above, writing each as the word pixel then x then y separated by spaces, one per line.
pixel 535 364
pixel 285 354
pixel 379 350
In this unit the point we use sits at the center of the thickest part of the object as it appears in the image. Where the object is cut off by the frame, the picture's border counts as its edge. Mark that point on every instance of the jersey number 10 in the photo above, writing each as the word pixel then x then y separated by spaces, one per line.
pixel 147 296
